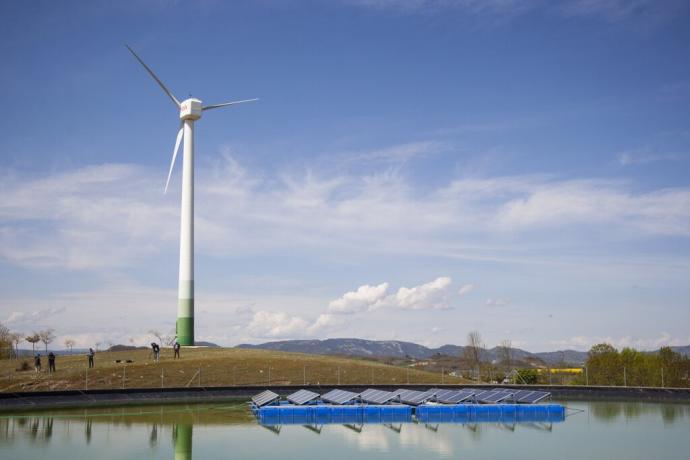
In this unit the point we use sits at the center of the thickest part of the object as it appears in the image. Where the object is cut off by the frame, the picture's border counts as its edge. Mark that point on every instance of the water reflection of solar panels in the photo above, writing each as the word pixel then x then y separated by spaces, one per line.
pixel 302 397
pixel 378 396
pixel 264 398
pixel 339 397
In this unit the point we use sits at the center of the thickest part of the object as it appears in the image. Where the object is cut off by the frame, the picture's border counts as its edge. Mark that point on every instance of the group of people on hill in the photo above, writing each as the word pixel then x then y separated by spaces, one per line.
pixel 51 362
pixel 156 349
pixel 90 357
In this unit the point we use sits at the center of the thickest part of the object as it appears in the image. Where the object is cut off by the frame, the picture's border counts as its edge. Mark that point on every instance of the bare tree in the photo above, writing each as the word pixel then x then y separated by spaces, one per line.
pixel 164 339
pixel 5 339
pixel 157 334
pixel 69 343
pixel 33 339
pixel 505 351
pixel 473 349
pixel 47 336
pixel 17 338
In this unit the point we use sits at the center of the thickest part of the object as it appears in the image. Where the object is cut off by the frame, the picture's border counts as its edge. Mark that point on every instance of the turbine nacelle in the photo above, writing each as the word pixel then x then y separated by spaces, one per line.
pixel 190 109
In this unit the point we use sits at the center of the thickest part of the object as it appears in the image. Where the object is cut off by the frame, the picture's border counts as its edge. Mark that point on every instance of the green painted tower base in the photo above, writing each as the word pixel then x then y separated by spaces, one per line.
pixel 183 442
pixel 185 331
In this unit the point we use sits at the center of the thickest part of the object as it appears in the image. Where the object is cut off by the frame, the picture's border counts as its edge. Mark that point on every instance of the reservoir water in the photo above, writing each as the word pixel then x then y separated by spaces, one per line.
pixel 593 430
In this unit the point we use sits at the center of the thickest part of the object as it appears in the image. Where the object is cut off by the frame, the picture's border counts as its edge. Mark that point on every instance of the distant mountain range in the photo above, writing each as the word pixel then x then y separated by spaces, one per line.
pixel 399 349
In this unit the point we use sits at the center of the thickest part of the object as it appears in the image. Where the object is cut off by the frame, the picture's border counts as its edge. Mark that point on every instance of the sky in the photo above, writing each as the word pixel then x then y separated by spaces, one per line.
pixel 414 170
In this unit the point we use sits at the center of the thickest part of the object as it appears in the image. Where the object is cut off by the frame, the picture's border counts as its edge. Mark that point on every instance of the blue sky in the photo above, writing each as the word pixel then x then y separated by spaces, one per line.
pixel 414 170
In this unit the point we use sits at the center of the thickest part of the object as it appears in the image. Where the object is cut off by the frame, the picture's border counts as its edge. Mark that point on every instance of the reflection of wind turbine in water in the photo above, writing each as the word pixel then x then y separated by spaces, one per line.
pixel 182 437
pixel 190 111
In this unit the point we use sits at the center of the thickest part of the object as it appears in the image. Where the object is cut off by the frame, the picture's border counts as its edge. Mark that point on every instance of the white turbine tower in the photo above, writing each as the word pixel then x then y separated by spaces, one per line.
pixel 190 111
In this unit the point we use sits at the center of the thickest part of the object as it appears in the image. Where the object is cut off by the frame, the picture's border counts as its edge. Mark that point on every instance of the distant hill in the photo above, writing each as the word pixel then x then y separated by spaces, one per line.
pixel 682 350
pixel 399 349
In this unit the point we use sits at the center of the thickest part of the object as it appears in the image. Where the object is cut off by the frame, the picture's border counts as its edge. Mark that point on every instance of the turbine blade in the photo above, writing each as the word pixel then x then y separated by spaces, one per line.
pixel 224 104
pixel 160 83
pixel 172 163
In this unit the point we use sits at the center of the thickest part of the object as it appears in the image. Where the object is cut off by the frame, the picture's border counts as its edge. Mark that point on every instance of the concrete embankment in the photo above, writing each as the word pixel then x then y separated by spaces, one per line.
pixel 14 402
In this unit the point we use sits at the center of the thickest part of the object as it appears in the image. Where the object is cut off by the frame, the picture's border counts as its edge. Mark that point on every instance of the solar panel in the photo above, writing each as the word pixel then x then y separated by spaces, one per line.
pixel 479 393
pixel 408 396
pixel 496 397
pixel 534 397
pixel 339 396
pixel 302 397
pixel 377 396
pixel 517 394
pixel 264 398
pixel 457 397
pixel 402 393
pixel 443 394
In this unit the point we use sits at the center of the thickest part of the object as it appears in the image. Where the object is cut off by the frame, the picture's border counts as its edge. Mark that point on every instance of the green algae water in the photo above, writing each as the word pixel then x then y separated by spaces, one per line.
pixel 594 430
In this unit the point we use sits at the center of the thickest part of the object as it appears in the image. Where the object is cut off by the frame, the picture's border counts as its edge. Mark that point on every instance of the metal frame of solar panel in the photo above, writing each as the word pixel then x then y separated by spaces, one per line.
pixel 264 398
pixel 301 397
pixel 373 396
pixel 534 397
pixel 339 396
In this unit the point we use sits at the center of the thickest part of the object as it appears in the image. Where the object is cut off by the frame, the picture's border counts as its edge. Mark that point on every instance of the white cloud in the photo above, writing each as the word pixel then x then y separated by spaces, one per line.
pixel 497 302
pixel 267 324
pixel 32 318
pixel 398 153
pixel 642 158
pixel 465 289
pixel 584 343
pixel 325 323
pixel 429 296
pixel 107 216
pixel 360 300
pixel 281 325
pixel 651 11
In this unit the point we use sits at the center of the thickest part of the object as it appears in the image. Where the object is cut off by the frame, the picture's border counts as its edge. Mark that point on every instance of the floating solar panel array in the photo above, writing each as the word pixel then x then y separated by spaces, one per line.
pixel 302 397
pixel 408 397
pixel 339 397
pixel 264 398
pixel 372 396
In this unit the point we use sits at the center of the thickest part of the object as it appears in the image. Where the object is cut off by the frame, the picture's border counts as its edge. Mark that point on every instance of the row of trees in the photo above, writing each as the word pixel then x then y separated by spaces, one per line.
pixel 607 366
pixel 10 340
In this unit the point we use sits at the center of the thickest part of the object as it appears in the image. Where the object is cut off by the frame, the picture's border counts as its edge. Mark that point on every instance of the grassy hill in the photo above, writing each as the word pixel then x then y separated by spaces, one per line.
pixel 206 367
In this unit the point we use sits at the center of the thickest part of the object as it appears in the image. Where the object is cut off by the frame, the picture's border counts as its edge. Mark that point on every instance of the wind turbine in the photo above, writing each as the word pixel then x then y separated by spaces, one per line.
pixel 190 111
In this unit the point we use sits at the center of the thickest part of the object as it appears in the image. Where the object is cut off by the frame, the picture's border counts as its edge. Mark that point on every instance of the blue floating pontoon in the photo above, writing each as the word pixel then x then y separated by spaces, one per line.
pixel 432 406
pixel 287 414
pixel 500 413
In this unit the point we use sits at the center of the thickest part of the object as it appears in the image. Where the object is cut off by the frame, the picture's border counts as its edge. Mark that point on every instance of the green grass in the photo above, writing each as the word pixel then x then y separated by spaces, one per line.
pixel 208 367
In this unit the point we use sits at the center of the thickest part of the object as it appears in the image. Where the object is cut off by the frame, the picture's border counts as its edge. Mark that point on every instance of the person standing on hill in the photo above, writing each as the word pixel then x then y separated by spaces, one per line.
pixel 156 351
pixel 37 362
pixel 176 348
pixel 51 362
pixel 90 356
